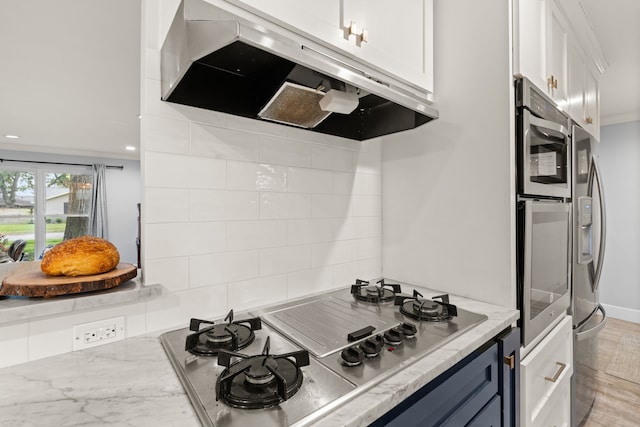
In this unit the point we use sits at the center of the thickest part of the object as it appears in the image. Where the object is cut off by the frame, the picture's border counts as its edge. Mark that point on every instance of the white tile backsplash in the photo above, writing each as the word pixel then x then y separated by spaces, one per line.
pixel 282 151
pixel 253 293
pixel 284 260
pixel 301 180
pixel 222 205
pixel 165 240
pixel 243 235
pixel 174 309
pixel 214 269
pixel 165 135
pixel 330 205
pixel 332 158
pixel 330 253
pixel 309 281
pixel 285 205
pixel 212 141
pixel 256 176
pixel 14 344
pixel 173 273
pixel 172 171
pixel 307 231
pixel 166 205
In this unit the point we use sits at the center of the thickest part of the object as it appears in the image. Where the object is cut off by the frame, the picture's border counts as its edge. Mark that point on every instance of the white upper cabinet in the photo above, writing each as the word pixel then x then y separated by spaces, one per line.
pixel 584 93
pixel 392 39
pixel 557 43
pixel 541 43
pixel 559 56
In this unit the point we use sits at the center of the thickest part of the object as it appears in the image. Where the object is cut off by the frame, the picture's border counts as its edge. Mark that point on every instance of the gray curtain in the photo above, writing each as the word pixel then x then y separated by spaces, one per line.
pixel 98 212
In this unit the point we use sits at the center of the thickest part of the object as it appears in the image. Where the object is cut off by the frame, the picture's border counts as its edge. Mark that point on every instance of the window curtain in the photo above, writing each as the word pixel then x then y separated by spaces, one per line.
pixel 98 212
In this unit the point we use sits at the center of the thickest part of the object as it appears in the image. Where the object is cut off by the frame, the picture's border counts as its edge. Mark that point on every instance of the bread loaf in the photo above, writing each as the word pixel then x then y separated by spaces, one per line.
pixel 82 256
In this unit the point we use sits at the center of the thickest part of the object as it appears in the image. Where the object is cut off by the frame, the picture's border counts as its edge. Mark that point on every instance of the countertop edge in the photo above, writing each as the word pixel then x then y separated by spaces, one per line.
pixel 21 309
pixel 374 403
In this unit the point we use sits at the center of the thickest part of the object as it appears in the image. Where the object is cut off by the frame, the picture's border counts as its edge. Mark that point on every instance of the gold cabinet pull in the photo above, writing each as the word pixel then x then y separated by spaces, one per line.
pixel 589 120
pixel 550 82
pixel 555 377
pixel 353 29
pixel 510 361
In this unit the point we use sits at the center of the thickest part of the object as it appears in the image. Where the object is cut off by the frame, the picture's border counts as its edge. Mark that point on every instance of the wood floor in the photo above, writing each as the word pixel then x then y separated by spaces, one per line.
pixel 617 401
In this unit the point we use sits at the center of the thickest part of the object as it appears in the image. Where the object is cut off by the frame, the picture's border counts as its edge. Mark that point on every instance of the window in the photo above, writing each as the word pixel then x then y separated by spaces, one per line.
pixel 42 206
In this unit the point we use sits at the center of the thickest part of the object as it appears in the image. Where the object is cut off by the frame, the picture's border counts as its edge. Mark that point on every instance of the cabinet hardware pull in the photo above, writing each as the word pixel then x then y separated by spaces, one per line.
pixel 364 36
pixel 589 120
pixel 550 82
pixel 353 29
pixel 555 377
pixel 510 361
pixel 555 83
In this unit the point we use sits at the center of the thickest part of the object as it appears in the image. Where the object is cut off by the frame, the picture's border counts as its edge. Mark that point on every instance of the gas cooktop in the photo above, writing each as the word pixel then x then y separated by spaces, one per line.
pixel 291 363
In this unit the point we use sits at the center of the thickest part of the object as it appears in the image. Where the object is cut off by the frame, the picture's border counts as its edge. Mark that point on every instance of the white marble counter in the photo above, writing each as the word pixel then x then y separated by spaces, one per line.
pixel 131 383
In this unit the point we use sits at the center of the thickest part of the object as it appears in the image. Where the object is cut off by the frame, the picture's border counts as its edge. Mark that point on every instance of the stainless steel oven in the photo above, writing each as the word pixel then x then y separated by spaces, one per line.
pixel 543 144
pixel 544 242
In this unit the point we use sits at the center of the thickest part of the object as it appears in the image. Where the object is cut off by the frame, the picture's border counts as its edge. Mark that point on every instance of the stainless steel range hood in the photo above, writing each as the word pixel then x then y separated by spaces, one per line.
pixel 214 60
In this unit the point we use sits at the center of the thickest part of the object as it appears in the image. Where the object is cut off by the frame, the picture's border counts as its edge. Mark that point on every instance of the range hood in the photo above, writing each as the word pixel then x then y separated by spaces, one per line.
pixel 216 60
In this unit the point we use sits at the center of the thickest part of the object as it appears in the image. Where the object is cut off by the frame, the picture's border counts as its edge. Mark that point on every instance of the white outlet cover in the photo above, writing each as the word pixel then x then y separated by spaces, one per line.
pixel 79 332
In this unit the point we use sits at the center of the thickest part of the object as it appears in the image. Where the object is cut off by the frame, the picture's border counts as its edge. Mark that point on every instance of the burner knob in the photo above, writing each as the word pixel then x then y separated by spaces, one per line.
pixel 409 329
pixel 394 336
pixel 352 356
pixel 372 346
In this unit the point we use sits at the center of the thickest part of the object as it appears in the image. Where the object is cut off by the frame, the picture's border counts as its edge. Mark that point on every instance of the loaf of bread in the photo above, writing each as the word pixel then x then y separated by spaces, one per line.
pixel 82 256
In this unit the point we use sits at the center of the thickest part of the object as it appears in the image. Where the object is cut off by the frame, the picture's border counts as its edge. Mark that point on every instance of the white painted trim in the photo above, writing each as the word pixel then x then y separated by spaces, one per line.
pixel 622 313
pixel 620 118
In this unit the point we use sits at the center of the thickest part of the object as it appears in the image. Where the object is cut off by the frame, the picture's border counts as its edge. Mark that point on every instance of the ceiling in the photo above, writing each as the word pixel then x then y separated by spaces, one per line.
pixel 70 76
pixel 70 72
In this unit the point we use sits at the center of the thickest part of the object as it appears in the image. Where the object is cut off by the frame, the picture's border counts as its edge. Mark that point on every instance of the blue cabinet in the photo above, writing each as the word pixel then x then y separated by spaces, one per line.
pixel 480 390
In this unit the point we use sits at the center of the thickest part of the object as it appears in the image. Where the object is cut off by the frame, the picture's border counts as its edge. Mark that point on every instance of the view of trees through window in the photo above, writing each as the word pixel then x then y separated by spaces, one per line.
pixel 39 208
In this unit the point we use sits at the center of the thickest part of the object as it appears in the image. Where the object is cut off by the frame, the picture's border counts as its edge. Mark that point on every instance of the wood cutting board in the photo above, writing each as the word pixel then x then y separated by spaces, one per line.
pixel 38 284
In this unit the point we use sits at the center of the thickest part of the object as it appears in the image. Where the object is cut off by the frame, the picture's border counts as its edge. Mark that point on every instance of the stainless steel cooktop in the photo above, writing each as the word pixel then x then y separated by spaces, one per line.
pixel 352 345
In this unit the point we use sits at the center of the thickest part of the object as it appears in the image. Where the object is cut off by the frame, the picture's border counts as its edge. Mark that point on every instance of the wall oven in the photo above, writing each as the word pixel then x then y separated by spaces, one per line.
pixel 543 144
pixel 544 208
pixel 544 258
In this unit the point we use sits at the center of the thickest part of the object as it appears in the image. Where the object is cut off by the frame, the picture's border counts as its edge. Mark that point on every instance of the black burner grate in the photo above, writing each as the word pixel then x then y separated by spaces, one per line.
pixel 364 291
pixel 260 381
pixel 419 308
pixel 234 335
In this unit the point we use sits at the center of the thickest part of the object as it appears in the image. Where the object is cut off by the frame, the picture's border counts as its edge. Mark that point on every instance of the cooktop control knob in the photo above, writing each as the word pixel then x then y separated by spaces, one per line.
pixel 352 356
pixel 409 329
pixel 394 336
pixel 372 346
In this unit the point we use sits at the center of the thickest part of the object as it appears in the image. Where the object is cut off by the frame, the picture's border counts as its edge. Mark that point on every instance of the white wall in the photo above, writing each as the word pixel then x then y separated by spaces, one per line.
pixel 240 213
pixel 448 186
pixel 619 155
pixel 124 191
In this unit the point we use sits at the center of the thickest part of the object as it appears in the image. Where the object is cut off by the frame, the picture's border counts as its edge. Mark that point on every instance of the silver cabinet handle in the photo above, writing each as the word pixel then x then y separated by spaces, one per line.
pixel 557 375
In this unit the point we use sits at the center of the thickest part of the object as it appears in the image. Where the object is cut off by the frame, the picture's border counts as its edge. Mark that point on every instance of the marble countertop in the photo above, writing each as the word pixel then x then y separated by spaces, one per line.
pixel 132 383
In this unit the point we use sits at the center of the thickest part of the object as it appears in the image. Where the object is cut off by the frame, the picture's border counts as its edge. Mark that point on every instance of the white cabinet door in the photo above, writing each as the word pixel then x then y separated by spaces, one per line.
pixel 545 377
pixel 557 43
pixel 577 75
pixel 531 57
pixel 592 102
pixel 542 35
pixel 396 40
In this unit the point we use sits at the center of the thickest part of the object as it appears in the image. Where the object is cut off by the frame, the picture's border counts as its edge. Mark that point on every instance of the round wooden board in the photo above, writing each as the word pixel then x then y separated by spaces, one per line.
pixel 38 284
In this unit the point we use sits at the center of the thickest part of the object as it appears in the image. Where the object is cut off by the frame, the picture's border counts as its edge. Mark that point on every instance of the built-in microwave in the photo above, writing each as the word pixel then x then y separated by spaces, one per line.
pixel 543 264
pixel 543 144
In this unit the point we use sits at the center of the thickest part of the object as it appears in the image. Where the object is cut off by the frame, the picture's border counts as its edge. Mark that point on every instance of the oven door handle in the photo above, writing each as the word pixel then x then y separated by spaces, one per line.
pixel 551 129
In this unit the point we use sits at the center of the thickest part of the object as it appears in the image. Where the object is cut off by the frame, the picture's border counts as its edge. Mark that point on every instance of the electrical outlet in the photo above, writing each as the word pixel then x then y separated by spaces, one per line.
pixel 97 333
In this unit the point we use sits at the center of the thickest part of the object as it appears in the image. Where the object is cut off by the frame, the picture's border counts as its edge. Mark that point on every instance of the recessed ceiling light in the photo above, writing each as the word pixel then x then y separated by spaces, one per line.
pixel 12 136
pixel 130 148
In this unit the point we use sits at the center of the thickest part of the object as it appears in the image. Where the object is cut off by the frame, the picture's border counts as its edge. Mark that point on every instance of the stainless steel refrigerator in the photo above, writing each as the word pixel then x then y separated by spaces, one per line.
pixel 589 237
